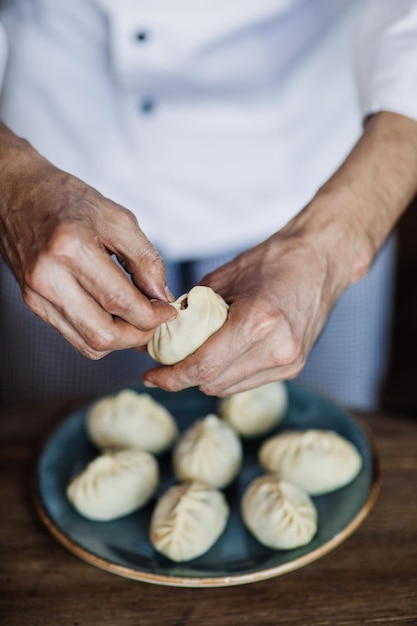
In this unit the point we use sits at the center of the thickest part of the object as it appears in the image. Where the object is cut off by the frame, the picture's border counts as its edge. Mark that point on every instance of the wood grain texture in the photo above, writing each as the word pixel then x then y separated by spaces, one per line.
pixel 371 579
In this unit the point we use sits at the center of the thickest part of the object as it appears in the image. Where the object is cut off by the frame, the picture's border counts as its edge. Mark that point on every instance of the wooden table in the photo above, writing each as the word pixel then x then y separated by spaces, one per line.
pixel 370 579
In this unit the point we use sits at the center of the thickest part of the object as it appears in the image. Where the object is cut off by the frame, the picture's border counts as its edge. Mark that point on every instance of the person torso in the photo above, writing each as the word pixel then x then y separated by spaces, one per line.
pixel 214 121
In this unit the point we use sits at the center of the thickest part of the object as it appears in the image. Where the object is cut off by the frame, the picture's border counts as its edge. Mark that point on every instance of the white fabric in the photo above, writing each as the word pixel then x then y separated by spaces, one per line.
pixel 255 106
pixel 214 127
pixel 387 57
pixel 254 102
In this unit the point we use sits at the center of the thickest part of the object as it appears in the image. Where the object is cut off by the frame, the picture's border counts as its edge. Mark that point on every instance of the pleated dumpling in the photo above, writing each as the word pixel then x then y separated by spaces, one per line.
pixel 209 451
pixel 114 484
pixel 130 419
pixel 319 461
pixel 201 312
pixel 257 411
pixel 278 514
pixel 188 520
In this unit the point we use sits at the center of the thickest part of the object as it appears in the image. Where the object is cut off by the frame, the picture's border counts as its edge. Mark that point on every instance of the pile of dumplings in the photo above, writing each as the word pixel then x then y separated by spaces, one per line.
pixel 129 429
pixel 132 429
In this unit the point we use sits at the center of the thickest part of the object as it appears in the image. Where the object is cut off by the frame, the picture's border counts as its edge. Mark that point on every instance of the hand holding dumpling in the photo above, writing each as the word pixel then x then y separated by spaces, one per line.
pixel 201 313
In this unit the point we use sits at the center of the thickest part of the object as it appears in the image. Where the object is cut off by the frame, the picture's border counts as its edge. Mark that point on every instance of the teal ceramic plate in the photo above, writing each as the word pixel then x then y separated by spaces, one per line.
pixel 122 546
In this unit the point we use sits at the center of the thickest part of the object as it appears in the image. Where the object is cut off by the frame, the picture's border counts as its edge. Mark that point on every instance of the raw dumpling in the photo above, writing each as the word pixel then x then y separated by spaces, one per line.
pixel 280 515
pixel 319 461
pixel 257 411
pixel 201 313
pixel 209 452
pixel 187 521
pixel 131 419
pixel 114 484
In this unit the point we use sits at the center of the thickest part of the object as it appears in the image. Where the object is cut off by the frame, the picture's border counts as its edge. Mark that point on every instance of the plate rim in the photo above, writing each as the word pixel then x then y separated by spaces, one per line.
pixel 210 581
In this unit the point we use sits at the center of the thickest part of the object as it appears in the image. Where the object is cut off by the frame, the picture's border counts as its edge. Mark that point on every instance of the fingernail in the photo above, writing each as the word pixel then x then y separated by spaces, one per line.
pixel 147 383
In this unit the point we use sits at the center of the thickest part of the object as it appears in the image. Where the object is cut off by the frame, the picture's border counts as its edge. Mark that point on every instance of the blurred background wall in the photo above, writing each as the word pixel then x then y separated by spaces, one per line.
pixel 400 392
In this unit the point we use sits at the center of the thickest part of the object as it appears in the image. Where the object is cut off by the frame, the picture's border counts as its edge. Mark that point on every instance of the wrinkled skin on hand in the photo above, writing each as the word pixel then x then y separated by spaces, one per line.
pixel 280 295
pixel 59 235
pixel 281 292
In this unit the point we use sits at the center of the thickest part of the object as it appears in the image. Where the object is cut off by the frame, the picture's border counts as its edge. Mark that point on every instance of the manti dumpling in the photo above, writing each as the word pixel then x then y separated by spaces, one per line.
pixel 131 419
pixel 114 484
pixel 188 520
pixel 257 411
pixel 278 514
pixel 319 461
pixel 209 451
pixel 201 312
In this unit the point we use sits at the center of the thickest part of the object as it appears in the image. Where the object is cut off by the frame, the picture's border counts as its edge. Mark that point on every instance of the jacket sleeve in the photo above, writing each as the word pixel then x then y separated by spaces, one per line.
pixel 386 57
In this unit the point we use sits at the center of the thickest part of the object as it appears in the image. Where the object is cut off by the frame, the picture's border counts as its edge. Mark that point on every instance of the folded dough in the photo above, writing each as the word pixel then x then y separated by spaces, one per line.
pixel 129 419
pixel 279 515
pixel 201 313
pixel 319 461
pixel 114 484
pixel 257 411
pixel 187 521
pixel 209 451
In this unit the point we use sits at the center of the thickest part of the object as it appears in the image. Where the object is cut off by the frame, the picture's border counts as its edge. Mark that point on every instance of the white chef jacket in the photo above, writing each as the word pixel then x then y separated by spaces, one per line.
pixel 214 121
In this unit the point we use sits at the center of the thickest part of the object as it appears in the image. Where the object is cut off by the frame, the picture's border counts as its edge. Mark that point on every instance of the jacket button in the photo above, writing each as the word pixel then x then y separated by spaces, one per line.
pixel 142 36
pixel 147 106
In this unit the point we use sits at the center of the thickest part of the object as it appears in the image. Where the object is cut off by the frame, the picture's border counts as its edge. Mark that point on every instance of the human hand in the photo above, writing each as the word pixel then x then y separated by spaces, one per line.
pixel 59 235
pixel 280 294
pixel 282 291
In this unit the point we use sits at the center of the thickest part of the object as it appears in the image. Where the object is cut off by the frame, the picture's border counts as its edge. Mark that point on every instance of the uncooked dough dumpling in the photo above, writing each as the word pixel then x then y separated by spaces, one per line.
pixel 209 451
pixel 279 515
pixel 114 484
pixel 319 461
pixel 131 419
pixel 188 520
pixel 201 312
pixel 257 411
